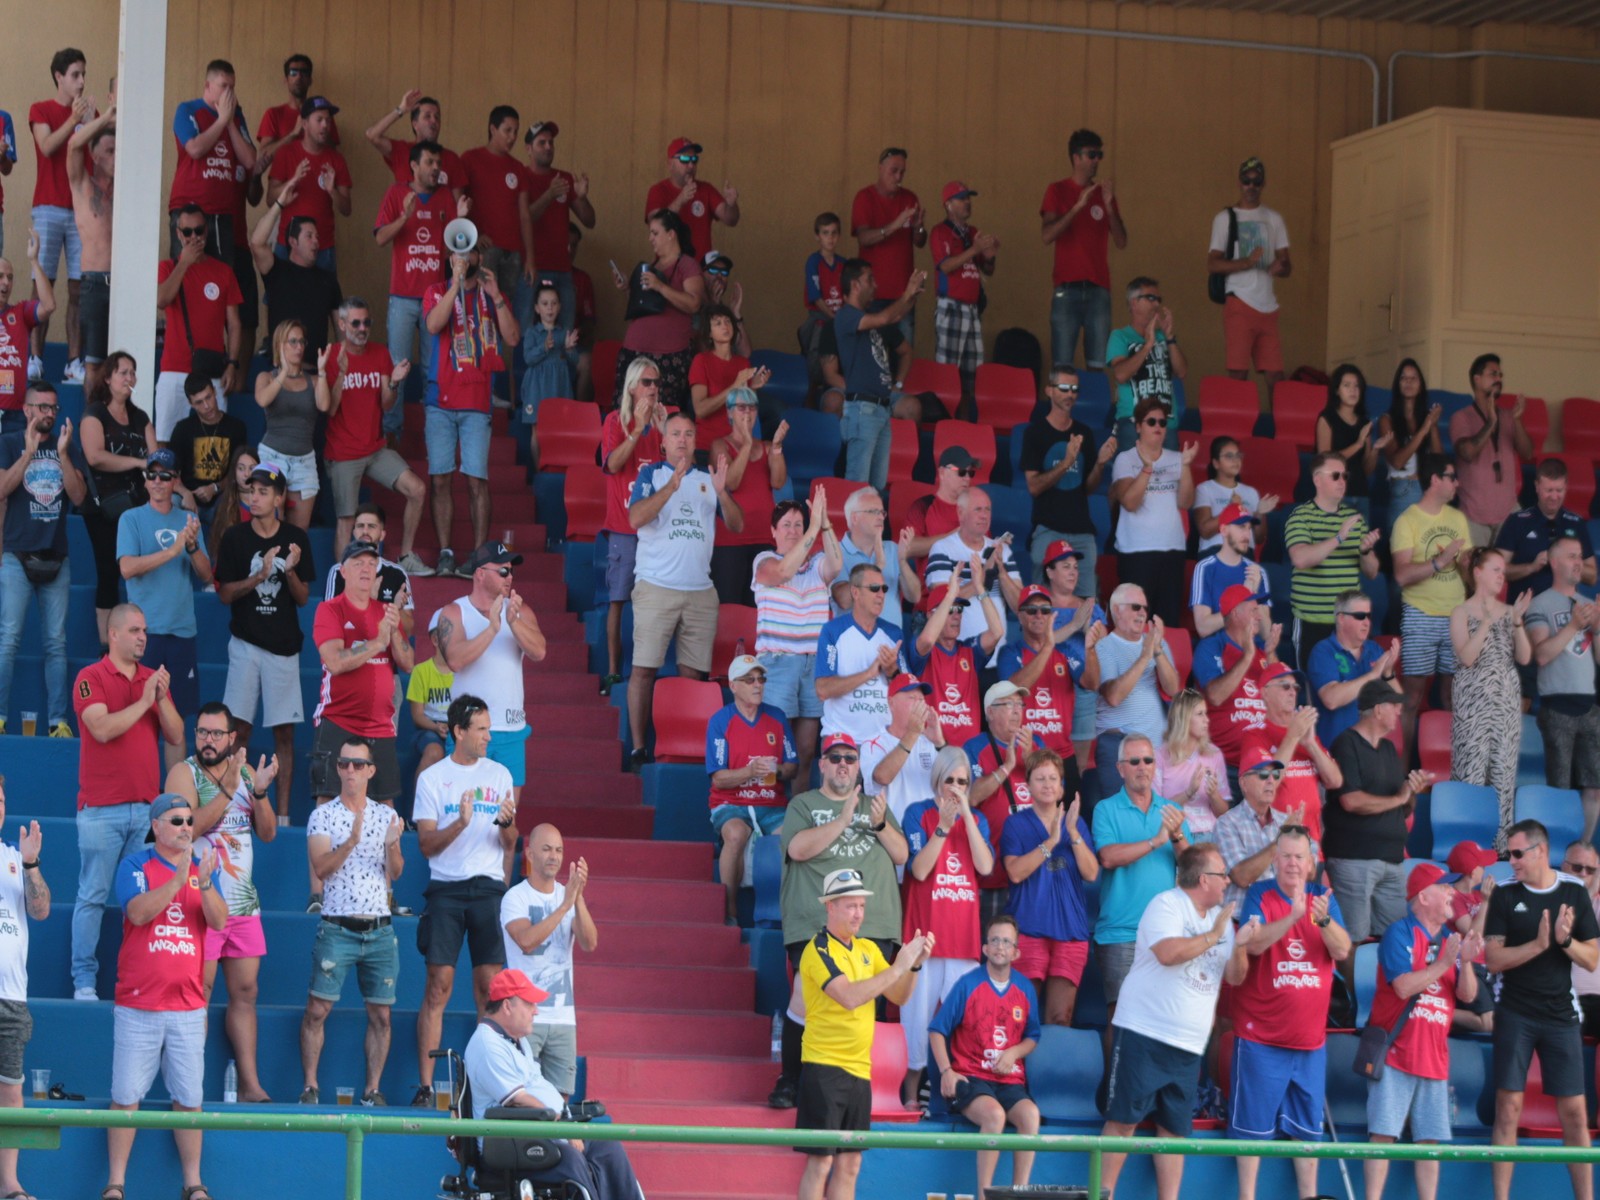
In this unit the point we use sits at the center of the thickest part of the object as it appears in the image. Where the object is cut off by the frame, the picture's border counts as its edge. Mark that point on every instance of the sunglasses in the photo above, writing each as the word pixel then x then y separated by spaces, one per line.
pixel 162 476
pixel 1153 297
pixel 191 231
pixel 651 382
pixel 352 763
pixel 1215 874
pixel 873 587
pixel 354 324
pixel 688 158
pixel 177 821
pixel 1517 854
pixel 956 781
pixel 723 271
pixel 1137 607
pixel 842 758
pixel 1365 615
pixel 1070 389
pixel 751 679
pixel 1334 475
pixel 1269 773
pixel 1035 610
pixel 1254 181
pixel 306 71
pixel 1577 869
pixel 1146 761
pixel 965 472
pixel 1155 422
pixel 503 572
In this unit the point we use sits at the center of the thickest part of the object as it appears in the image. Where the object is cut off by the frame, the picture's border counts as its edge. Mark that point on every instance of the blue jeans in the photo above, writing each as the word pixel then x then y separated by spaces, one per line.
pixel 15 592
pixel 105 837
pixel 444 429
pixel 404 325
pixel 327 259
pixel 865 429
pixel 1080 306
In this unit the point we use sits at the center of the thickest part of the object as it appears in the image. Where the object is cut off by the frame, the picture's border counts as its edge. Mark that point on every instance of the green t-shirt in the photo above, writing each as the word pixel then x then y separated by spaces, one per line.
pixel 1312 593
pixel 803 914
pixel 1155 378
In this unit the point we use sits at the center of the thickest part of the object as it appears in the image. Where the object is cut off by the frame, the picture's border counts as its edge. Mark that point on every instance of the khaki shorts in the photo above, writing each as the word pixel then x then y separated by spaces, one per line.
pixel 384 468
pixel 662 615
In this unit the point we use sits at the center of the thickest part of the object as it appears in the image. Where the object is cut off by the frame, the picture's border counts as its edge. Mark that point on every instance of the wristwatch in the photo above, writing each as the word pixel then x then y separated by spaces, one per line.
pixel 1322 924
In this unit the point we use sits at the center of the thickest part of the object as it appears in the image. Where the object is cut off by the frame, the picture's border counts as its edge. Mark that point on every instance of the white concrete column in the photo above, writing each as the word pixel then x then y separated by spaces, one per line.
pixel 140 192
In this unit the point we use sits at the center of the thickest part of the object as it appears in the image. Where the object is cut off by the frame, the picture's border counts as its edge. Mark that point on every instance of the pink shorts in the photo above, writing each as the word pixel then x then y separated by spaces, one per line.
pixel 1046 958
pixel 241 937
pixel 1249 336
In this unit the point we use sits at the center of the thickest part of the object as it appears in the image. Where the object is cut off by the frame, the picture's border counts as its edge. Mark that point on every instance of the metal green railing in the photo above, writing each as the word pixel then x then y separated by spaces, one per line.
pixel 40 1129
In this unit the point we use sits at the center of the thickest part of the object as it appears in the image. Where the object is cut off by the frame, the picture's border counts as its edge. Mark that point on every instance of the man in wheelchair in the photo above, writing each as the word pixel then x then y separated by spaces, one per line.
pixel 503 1076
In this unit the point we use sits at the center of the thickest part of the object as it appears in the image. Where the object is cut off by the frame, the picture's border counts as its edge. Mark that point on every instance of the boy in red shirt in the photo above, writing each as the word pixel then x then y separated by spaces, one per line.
pixel 52 123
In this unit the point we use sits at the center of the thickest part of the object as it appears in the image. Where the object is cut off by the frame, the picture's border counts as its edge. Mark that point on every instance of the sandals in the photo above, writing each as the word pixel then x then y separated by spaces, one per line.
pixel 106 1193
pixel 58 1092
pixel 192 1189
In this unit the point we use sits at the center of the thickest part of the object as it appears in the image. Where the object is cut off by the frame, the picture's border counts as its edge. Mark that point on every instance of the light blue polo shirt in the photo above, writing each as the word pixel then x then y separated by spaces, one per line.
pixel 1125 891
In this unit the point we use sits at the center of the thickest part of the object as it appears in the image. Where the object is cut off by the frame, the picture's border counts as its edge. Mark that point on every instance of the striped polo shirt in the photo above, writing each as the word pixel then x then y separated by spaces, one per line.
pixel 790 616
pixel 1312 593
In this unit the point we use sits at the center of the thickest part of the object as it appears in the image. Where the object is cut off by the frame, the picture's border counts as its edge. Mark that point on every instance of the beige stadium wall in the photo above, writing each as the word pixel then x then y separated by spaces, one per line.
pixel 794 108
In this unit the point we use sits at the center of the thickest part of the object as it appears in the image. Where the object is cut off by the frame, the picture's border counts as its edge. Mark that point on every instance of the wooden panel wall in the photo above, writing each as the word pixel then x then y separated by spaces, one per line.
pixel 794 108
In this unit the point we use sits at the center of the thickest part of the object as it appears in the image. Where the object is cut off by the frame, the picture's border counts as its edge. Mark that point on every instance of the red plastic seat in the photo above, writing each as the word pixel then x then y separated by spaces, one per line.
pixel 1539 1116
pixel 584 495
pixel 1270 468
pixel 1181 646
pixel 603 370
pixel 1005 396
pixel 978 440
pixel 736 634
pixel 1198 468
pixel 942 379
pixel 1105 569
pixel 1295 406
pixel 838 491
pixel 888 1071
pixel 904 448
pixel 1228 406
pixel 1580 426
pixel 682 709
pixel 1580 479
pixel 569 432
pixel 901 497
pixel 1433 743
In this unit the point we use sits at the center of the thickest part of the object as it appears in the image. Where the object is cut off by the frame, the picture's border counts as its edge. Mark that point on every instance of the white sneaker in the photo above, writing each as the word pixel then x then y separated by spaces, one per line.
pixel 74 372
pixel 35 368
pixel 85 993
pixel 412 565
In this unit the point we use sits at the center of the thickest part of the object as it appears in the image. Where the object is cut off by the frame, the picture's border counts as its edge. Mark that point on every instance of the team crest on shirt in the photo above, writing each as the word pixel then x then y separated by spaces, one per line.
pixel 13 867
pixel 772 738
pixel 698 208
pixel 511 180
pixel 1061 668
pixel 962 664
pixel 212 291
pixel 1016 1012
pixel 1098 213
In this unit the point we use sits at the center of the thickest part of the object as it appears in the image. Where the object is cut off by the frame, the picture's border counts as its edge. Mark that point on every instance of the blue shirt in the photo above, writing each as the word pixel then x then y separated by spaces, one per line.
pixel 890 570
pixel 1328 663
pixel 8 137
pixel 166 594
pixel 1212 577
pixel 863 356
pixel 1126 891
pixel 1049 903
pixel 1526 533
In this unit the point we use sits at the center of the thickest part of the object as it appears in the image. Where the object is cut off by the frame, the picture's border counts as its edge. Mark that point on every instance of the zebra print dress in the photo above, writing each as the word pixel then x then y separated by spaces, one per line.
pixel 1486 730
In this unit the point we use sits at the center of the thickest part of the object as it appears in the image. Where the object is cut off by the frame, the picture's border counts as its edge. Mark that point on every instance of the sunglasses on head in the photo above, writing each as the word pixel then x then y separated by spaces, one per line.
pixel 162 476
pixel 837 757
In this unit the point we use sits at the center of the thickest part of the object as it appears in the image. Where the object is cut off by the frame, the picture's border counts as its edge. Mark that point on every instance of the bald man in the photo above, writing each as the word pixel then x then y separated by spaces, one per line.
pixel 543 920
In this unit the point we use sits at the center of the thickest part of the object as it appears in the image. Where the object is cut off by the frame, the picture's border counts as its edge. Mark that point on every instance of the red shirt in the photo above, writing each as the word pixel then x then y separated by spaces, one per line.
pixel 986 759
pixel 1048 705
pixel 583 289
pixel 891 258
pixel 550 226
pixel 360 701
pixel 1465 904
pixel 208 289
pixel 1300 783
pixel 966 282
pixel 953 676
pixel 278 120
pixel 1283 1000
pixel 416 256
pixel 1423 1047
pixel 828 280
pixel 732 741
pixel 356 430
pixel 698 214
pixel 452 172
pixel 16 322
pixel 311 198
pixel 946 902
pixel 1081 248
pixel 495 181
pixel 716 375
pixel 50 186
pixel 215 182
pixel 161 963
pixel 619 486
pixel 1242 713
pixel 464 358
pixel 127 769
pixel 930 516
pixel 755 501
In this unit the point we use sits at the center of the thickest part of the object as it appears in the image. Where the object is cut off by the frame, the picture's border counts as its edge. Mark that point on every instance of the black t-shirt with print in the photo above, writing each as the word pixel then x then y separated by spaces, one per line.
pixel 266 616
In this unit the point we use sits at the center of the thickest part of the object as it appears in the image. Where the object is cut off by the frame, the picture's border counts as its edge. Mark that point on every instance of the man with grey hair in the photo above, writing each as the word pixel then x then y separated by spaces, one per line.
pixel 357 385
pixel 1143 358
pixel 1133 660
pixel 971 537
pixel 865 514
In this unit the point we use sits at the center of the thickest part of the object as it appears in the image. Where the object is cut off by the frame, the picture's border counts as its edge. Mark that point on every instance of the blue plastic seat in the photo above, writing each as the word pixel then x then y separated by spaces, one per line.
pixel 1094 400
pixel 1064 1074
pixel 1560 810
pixel 790 381
pixel 678 792
pixel 813 444
pixel 1461 811
pixel 767 863
pixel 1366 983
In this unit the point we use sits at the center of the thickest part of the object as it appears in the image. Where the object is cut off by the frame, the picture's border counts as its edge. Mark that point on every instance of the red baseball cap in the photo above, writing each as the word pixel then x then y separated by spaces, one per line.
pixel 936 596
pixel 1276 672
pixel 512 982
pixel 830 740
pixel 1233 596
pixel 1235 514
pixel 1059 550
pixel 1466 855
pixel 1034 592
pixel 954 190
pixel 1425 875
pixel 682 145
pixel 905 682
pixel 1256 757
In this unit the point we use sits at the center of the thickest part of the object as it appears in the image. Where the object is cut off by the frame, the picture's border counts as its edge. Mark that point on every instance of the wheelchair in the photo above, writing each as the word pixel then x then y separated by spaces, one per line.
pixel 507 1168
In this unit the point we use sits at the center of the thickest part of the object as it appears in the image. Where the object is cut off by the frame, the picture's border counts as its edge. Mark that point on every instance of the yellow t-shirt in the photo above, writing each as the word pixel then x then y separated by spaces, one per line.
pixel 431 686
pixel 836 1036
pixel 1427 536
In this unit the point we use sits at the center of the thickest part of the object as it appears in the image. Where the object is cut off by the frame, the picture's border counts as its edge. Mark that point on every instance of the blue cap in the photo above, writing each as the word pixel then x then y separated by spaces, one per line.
pixel 318 104
pixel 161 806
pixel 165 459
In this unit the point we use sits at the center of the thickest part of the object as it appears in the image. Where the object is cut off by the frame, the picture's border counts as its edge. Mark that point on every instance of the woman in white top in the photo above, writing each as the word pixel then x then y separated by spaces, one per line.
pixel 1413 425
pixel 1153 489
pixel 1223 488
pixel 1189 770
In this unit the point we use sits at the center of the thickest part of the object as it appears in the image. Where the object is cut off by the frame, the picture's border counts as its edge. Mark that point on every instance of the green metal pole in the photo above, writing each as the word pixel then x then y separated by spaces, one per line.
pixel 1094 1173
pixel 354 1137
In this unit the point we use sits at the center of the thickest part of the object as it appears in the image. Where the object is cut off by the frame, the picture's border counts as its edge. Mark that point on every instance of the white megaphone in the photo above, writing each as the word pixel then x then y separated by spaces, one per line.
pixel 460 236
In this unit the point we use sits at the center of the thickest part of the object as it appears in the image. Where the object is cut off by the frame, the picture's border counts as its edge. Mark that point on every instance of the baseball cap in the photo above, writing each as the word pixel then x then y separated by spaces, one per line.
pixel 1235 514
pixel 492 554
pixel 1253 164
pixel 1276 672
pixel 1425 875
pixel 682 145
pixel 955 190
pixel 905 682
pixel 512 982
pixel 957 456
pixel 1233 596
pixel 936 596
pixel 713 257
pixel 1033 592
pixel 1375 693
pixel 357 548
pixel 830 740
pixel 539 127
pixel 1258 758
pixel 843 883
pixel 318 104
pixel 1059 550
pixel 1003 690
pixel 1466 855
pixel 743 665
pixel 269 473
pixel 165 459
pixel 162 805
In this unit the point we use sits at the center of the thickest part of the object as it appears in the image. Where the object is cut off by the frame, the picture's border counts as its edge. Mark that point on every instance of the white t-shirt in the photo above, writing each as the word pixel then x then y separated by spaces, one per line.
pixel 13 927
pixel 477 850
pixel 1214 496
pixel 550 966
pixel 359 888
pixel 844 648
pixel 675 548
pixel 1155 524
pixel 948 554
pixel 1260 226
pixel 913 782
pixel 1174 1005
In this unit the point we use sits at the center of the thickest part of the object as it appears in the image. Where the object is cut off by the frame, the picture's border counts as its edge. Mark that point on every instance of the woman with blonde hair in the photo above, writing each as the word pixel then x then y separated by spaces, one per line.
pixel 288 397
pixel 1189 770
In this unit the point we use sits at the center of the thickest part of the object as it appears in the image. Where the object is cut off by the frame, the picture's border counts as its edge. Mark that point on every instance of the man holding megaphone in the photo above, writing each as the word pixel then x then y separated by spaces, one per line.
pixel 470 323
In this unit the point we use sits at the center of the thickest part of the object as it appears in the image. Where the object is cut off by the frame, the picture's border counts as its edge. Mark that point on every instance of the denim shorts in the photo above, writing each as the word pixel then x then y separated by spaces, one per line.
pixel 299 470
pixel 374 954
pixel 57 228
pixel 770 816
pixel 446 428
pixel 792 683
pixel 144 1042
